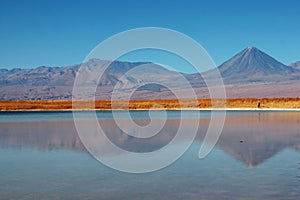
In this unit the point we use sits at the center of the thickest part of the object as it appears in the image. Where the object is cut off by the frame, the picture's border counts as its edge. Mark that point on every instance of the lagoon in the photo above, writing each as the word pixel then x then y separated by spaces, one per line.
pixel 257 157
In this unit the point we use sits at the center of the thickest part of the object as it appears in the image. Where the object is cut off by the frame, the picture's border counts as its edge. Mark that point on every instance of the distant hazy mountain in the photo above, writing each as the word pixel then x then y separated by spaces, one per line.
pixel 296 65
pixel 250 73
pixel 57 82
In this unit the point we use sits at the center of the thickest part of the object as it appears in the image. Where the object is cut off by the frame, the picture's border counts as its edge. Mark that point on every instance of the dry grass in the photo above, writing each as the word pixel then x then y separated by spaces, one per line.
pixel 147 104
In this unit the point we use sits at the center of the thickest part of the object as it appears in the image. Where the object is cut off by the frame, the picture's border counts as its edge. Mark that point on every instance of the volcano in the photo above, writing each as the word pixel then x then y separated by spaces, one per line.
pixel 252 65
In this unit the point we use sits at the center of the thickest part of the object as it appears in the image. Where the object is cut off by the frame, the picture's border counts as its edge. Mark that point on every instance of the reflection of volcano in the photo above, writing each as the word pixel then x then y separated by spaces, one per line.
pixel 251 138
pixel 254 139
pixel 252 154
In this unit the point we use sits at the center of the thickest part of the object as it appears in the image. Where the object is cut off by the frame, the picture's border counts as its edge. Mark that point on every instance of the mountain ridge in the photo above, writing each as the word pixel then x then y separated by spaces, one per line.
pixel 248 68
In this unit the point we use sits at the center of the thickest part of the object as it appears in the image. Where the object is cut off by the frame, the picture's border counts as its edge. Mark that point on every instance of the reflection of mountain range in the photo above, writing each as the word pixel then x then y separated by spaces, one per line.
pixel 42 135
pixel 262 134
pixel 250 73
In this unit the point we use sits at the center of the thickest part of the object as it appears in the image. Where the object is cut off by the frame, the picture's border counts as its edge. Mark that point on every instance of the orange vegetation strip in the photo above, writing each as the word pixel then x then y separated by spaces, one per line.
pixel 292 103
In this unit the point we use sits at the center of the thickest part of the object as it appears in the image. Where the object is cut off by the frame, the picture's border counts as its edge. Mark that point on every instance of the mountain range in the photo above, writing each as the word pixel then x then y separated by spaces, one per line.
pixel 250 73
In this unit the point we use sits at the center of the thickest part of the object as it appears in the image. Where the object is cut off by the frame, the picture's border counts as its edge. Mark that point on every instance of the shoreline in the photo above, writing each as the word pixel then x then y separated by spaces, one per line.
pixel 184 109
pixel 238 104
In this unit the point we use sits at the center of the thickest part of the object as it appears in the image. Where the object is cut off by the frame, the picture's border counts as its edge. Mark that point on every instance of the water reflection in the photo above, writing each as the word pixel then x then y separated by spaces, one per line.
pixel 261 137
pixel 250 137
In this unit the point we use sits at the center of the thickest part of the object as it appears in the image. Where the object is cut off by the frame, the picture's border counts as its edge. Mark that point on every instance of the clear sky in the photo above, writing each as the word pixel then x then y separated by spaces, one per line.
pixel 63 32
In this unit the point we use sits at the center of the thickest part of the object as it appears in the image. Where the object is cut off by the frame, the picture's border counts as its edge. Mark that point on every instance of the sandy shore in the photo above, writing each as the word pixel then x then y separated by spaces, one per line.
pixel 288 104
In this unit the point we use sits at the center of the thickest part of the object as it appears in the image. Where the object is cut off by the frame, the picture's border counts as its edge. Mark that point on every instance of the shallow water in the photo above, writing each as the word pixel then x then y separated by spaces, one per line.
pixel 256 157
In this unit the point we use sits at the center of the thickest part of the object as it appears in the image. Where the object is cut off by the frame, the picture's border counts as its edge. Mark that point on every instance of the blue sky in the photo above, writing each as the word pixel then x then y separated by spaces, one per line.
pixel 63 32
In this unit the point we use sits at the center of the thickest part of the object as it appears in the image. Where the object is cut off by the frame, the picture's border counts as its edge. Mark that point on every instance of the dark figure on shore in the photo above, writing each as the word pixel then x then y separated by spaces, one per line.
pixel 258 104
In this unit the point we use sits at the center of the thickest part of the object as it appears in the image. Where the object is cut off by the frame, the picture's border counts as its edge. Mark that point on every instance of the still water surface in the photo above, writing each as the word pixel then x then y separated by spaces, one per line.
pixel 257 157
